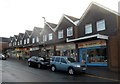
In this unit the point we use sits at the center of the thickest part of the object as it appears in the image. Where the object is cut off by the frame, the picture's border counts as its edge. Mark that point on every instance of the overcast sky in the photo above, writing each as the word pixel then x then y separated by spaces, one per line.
pixel 16 16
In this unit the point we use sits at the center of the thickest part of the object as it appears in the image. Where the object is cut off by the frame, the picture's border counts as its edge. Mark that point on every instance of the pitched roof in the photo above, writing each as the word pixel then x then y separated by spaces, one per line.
pixel 38 29
pixel 28 32
pixel 72 18
pixel 52 24
pixel 98 5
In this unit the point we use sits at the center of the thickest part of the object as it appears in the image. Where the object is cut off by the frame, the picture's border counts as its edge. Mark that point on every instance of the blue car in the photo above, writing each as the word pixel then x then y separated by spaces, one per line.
pixel 66 63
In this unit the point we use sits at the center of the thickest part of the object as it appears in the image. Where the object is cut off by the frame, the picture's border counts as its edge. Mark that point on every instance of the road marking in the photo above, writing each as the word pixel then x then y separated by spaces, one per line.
pixel 103 78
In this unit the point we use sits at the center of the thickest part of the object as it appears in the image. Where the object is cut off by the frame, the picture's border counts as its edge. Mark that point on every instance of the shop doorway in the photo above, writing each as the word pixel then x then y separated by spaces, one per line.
pixel 95 56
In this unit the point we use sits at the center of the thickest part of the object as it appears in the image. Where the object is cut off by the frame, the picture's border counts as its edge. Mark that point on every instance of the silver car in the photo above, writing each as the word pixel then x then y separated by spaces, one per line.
pixel 2 57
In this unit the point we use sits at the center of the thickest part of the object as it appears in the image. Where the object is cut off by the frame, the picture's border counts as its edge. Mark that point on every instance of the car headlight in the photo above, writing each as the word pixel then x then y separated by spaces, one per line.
pixel 77 66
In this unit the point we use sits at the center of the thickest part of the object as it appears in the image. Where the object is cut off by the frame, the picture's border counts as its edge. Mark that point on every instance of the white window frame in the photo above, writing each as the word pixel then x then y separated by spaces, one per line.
pixel 24 41
pixel 28 40
pixel 88 28
pixel 33 40
pixel 60 34
pixel 44 38
pixel 100 25
pixel 70 31
pixel 50 36
pixel 20 42
pixel 37 39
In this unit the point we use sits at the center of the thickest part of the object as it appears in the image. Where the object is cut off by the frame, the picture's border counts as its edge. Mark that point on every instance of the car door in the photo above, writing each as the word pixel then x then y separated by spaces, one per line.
pixel 63 64
pixel 57 63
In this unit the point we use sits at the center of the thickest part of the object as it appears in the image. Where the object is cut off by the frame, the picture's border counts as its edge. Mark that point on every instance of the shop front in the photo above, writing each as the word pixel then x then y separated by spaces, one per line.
pixel 34 51
pixel 93 53
pixel 68 49
pixel 26 53
pixel 47 51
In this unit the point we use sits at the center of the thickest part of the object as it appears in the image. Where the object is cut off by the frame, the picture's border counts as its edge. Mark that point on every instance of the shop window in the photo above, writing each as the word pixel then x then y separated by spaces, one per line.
pixel 60 34
pixel 100 25
pixel 97 55
pixel 88 28
pixel 70 31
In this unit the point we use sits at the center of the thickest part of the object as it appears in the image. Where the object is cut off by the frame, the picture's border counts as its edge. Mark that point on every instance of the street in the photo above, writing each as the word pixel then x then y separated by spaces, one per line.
pixel 14 70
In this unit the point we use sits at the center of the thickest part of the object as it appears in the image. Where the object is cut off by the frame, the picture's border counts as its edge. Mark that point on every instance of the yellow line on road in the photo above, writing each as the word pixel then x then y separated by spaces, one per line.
pixel 103 78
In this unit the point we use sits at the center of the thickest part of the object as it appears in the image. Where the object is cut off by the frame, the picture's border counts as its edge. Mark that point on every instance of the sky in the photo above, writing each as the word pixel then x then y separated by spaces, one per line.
pixel 16 16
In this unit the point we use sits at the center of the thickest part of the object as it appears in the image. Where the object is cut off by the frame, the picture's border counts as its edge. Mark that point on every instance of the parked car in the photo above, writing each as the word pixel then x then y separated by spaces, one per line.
pixel 3 57
pixel 39 62
pixel 66 63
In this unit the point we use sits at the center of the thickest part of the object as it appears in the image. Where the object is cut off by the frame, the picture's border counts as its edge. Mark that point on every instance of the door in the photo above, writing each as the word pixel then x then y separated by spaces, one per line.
pixel 83 56
pixel 63 64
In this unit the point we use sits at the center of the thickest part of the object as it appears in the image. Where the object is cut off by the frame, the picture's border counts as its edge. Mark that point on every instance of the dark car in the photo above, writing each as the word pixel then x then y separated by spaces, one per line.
pixel 3 57
pixel 39 62
pixel 66 63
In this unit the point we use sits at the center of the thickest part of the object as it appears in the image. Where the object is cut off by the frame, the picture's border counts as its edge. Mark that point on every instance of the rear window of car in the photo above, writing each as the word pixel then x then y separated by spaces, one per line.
pixel 57 59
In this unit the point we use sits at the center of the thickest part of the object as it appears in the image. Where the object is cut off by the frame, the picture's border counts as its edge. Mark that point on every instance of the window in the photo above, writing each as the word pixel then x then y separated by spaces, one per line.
pixel 60 34
pixel 100 25
pixel 57 59
pixel 20 42
pixel 33 40
pixel 70 31
pixel 37 39
pixel 50 36
pixel 28 40
pixel 15 43
pixel 44 38
pixel 24 41
pixel 63 60
pixel 88 28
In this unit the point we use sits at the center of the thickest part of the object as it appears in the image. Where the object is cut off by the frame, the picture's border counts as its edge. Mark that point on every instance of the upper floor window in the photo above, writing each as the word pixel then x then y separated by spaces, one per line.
pixel 15 43
pixel 50 36
pixel 28 40
pixel 33 40
pixel 60 34
pixel 24 41
pixel 100 25
pixel 9 44
pixel 20 42
pixel 37 39
pixel 70 31
pixel 88 28
pixel 44 38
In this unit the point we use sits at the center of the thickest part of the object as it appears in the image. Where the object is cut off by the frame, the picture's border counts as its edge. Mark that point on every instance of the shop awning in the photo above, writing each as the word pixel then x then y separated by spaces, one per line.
pixel 87 37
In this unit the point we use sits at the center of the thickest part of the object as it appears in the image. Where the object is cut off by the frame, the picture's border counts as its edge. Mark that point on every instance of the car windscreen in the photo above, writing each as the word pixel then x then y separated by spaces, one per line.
pixel 71 60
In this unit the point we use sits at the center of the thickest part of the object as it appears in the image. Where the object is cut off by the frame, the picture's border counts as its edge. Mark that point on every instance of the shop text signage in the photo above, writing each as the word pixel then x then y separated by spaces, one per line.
pixel 92 44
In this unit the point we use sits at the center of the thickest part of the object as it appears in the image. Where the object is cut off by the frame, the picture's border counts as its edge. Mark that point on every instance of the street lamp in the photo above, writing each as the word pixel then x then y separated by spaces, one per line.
pixel 44 19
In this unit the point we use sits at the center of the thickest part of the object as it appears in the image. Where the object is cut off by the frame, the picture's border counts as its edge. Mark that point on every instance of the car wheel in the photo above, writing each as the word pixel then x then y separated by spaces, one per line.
pixel 53 68
pixel 71 71
pixel 39 66
pixel 29 63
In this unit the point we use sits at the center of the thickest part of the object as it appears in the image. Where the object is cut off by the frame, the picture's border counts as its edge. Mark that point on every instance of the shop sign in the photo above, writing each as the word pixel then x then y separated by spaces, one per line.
pixel 35 48
pixel 65 47
pixel 92 44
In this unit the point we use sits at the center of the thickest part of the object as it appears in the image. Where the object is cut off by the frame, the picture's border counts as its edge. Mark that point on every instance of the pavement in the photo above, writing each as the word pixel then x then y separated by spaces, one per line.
pixel 95 71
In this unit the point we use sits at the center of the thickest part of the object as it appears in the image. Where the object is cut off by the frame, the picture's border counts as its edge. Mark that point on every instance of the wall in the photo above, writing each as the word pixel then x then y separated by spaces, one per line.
pixel 113 53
